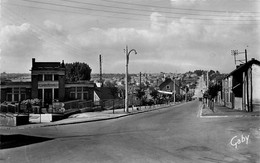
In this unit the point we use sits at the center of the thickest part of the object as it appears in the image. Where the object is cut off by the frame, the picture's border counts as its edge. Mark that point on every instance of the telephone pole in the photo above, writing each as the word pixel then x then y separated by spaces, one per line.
pixel 100 66
pixel 174 90
pixel 126 76
pixel 235 53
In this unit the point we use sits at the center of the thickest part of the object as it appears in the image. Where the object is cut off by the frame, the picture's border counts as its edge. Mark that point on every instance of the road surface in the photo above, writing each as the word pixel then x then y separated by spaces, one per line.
pixel 175 134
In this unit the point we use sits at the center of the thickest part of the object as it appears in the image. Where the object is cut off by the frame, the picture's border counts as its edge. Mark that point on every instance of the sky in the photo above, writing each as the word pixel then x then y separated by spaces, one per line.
pixel 169 35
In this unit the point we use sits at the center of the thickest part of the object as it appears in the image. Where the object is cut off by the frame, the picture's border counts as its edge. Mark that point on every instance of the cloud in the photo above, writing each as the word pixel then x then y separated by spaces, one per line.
pixel 54 28
pixel 158 21
pixel 185 2
pixel 18 44
pixel 182 42
pixel 18 41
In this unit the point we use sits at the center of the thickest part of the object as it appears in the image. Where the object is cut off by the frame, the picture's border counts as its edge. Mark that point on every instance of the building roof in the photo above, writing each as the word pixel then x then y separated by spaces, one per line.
pixel 104 93
pixel 15 84
pixel 166 82
pixel 244 67
pixel 46 65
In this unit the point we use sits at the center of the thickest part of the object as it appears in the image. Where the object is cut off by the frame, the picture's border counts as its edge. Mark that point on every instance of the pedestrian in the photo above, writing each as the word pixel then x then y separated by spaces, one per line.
pixel 212 104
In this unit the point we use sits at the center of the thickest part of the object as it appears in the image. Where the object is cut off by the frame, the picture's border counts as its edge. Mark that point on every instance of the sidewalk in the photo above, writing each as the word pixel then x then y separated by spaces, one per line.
pixel 93 116
pixel 222 111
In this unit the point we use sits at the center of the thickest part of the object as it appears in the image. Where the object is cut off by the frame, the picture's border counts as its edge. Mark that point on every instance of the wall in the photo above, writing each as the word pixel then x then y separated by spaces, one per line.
pixel 256 84
pixel 238 103
pixel 13 120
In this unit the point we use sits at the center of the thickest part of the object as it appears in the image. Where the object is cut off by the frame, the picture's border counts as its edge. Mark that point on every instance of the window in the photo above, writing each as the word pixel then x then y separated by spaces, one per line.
pixel 9 97
pixel 72 95
pixel 40 77
pixel 79 89
pixel 56 93
pixel 16 97
pixel 73 89
pixel 16 90
pixel 85 89
pixel 85 95
pixel 56 77
pixel 167 87
pixel 39 93
pixel 47 77
pixel 23 96
pixel 79 95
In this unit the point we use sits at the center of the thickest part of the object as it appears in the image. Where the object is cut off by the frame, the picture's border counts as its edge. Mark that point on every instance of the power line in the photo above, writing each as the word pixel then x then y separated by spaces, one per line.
pixel 66 11
pixel 186 9
pixel 117 17
pixel 165 12
pixel 126 13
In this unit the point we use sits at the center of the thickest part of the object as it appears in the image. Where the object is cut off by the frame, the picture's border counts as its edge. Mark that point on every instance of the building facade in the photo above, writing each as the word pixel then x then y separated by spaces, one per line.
pixel 48 84
pixel 240 88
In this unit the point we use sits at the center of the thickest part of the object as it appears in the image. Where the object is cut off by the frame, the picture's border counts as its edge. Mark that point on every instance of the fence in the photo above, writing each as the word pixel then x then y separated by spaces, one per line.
pixel 71 106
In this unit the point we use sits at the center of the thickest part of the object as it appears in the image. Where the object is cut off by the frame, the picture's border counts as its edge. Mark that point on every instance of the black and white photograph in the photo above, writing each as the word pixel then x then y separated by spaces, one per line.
pixel 129 81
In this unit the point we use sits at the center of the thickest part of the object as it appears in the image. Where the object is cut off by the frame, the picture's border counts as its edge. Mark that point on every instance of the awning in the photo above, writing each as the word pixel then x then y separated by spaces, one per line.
pixel 165 92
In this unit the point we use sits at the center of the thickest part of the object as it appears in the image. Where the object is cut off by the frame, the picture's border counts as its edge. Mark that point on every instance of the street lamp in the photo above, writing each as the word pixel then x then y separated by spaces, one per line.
pixel 126 76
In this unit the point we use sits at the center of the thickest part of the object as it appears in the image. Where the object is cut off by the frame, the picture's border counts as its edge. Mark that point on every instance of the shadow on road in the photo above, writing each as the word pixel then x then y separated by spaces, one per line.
pixel 18 140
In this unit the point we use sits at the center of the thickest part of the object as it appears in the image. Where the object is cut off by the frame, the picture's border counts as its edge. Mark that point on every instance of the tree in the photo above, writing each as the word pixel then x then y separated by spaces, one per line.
pixel 140 94
pixel 109 83
pixel 154 95
pixel 77 71
pixel 213 90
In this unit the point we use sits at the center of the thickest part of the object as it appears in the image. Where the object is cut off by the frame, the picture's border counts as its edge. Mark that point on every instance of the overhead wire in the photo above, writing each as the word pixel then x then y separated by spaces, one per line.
pixel 123 18
pixel 127 13
pixel 165 12
pixel 67 11
pixel 176 8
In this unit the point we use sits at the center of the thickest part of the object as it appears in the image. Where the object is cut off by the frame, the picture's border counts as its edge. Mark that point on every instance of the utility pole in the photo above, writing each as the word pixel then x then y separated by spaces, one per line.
pixel 140 80
pixel 208 87
pixel 100 66
pixel 235 53
pixel 174 91
pixel 126 76
pixel 246 55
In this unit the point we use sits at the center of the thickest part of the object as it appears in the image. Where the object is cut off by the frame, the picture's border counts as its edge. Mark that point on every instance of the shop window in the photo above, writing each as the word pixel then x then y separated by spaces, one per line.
pixel 47 77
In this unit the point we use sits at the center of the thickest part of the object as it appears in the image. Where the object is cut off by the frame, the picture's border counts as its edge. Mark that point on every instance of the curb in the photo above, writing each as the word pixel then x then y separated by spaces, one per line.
pixel 85 121
pixel 220 116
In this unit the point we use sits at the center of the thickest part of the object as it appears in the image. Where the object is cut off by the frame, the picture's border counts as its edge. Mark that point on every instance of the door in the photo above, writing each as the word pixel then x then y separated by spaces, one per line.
pixel 48 96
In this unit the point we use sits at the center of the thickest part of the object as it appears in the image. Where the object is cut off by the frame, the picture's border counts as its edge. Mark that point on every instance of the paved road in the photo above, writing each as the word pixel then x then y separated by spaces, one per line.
pixel 171 135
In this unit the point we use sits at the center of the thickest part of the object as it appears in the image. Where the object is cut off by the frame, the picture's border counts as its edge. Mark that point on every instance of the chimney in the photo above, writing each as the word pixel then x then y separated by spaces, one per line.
pixel 33 61
pixel 62 64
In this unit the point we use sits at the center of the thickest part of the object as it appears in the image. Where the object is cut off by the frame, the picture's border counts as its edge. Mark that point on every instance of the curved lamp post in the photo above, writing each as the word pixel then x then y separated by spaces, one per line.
pixel 126 76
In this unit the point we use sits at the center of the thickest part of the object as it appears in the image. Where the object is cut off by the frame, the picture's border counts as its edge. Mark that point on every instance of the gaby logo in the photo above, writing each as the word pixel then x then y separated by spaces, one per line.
pixel 236 140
